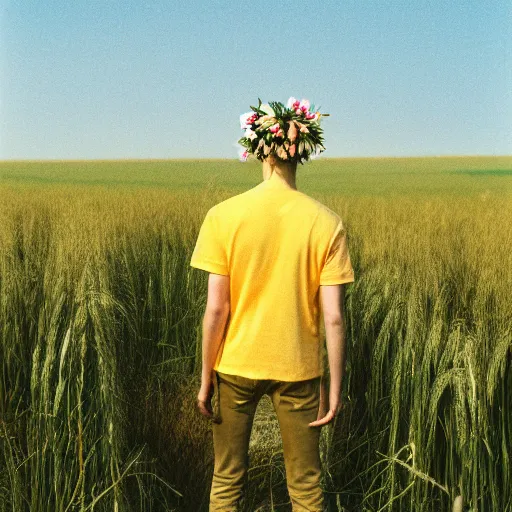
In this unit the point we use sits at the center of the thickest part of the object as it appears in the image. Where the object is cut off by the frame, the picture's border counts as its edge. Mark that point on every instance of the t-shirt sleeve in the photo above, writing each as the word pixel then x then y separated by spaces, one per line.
pixel 337 268
pixel 209 252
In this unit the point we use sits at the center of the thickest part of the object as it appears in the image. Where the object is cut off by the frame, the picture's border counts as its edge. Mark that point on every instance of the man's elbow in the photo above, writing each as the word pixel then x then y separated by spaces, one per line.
pixel 334 320
pixel 217 310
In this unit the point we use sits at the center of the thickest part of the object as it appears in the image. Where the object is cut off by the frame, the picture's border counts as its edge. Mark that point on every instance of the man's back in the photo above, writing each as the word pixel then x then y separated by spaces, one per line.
pixel 278 245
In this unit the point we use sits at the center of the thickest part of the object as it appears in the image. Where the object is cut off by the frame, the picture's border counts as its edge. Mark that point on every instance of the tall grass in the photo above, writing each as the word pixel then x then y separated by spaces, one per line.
pixel 99 316
pixel 100 355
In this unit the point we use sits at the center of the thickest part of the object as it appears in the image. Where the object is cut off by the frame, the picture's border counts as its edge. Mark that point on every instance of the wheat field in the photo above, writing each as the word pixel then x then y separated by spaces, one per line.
pixel 100 334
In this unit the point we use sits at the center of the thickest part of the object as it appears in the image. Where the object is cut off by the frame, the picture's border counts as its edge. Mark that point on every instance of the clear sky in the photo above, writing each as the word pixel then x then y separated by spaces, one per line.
pixel 166 79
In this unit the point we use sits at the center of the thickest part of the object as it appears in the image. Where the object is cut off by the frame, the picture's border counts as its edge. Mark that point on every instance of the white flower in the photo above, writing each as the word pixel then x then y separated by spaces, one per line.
pixel 267 109
pixel 263 119
pixel 315 154
pixel 291 101
pixel 250 134
pixel 265 122
pixel 243 119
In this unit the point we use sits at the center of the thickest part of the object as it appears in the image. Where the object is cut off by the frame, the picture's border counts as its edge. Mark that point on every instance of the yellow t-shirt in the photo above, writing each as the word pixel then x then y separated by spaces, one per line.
pixel 277 245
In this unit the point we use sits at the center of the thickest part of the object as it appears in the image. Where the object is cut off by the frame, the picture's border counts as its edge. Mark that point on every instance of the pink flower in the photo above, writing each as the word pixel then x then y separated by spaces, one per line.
pixel 274 128
pixel 292 103
pixel 247 119
pixel 244 118
pixel 243 155
pixel 304 105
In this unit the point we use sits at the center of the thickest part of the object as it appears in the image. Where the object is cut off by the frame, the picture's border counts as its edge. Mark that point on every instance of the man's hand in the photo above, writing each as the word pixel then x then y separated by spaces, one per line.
pixel 215 321
pixel 328 409
pixel 204 399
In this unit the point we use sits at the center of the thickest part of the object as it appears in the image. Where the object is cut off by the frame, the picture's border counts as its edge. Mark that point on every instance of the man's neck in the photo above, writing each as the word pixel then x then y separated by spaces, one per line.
pixel 282 171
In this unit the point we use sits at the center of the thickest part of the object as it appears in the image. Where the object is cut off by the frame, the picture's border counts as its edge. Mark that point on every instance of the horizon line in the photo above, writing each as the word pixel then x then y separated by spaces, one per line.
pixel 231 159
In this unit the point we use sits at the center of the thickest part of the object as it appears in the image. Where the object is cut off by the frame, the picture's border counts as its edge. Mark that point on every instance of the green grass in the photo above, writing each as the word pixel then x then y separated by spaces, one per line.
pixel 348 176
pixel 100 319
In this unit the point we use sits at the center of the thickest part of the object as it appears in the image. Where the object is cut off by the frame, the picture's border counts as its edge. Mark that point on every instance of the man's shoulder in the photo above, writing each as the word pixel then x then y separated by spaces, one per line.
pixel 309 206
pixel 233 203
pixel 324 214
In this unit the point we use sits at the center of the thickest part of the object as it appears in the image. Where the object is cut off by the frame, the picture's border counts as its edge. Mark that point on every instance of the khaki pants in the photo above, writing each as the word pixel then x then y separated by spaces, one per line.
pixel 296 404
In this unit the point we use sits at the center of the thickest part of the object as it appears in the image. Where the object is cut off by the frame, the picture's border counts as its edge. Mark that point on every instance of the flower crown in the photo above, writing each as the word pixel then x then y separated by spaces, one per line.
pixel 292 133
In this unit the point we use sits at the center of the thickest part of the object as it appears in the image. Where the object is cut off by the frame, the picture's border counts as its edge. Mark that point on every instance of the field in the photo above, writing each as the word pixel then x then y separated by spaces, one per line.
pixel 100 318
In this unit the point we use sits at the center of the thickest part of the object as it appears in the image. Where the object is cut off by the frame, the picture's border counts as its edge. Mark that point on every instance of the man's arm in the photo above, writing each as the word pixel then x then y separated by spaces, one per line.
pixel 333 299
pixel 214 325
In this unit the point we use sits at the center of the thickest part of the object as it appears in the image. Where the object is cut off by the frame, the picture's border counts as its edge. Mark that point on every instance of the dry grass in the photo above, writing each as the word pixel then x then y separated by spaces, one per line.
pixel 99 341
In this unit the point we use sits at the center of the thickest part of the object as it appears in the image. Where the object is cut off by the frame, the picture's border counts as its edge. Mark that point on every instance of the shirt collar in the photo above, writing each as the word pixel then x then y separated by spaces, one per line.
pixel 276 184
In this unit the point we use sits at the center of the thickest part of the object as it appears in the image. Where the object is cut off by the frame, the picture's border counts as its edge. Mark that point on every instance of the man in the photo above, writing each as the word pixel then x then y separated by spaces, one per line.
pixel 277 260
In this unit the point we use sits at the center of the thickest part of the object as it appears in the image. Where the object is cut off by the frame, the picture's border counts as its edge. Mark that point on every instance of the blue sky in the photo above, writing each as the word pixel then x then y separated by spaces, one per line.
pixel 132 79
